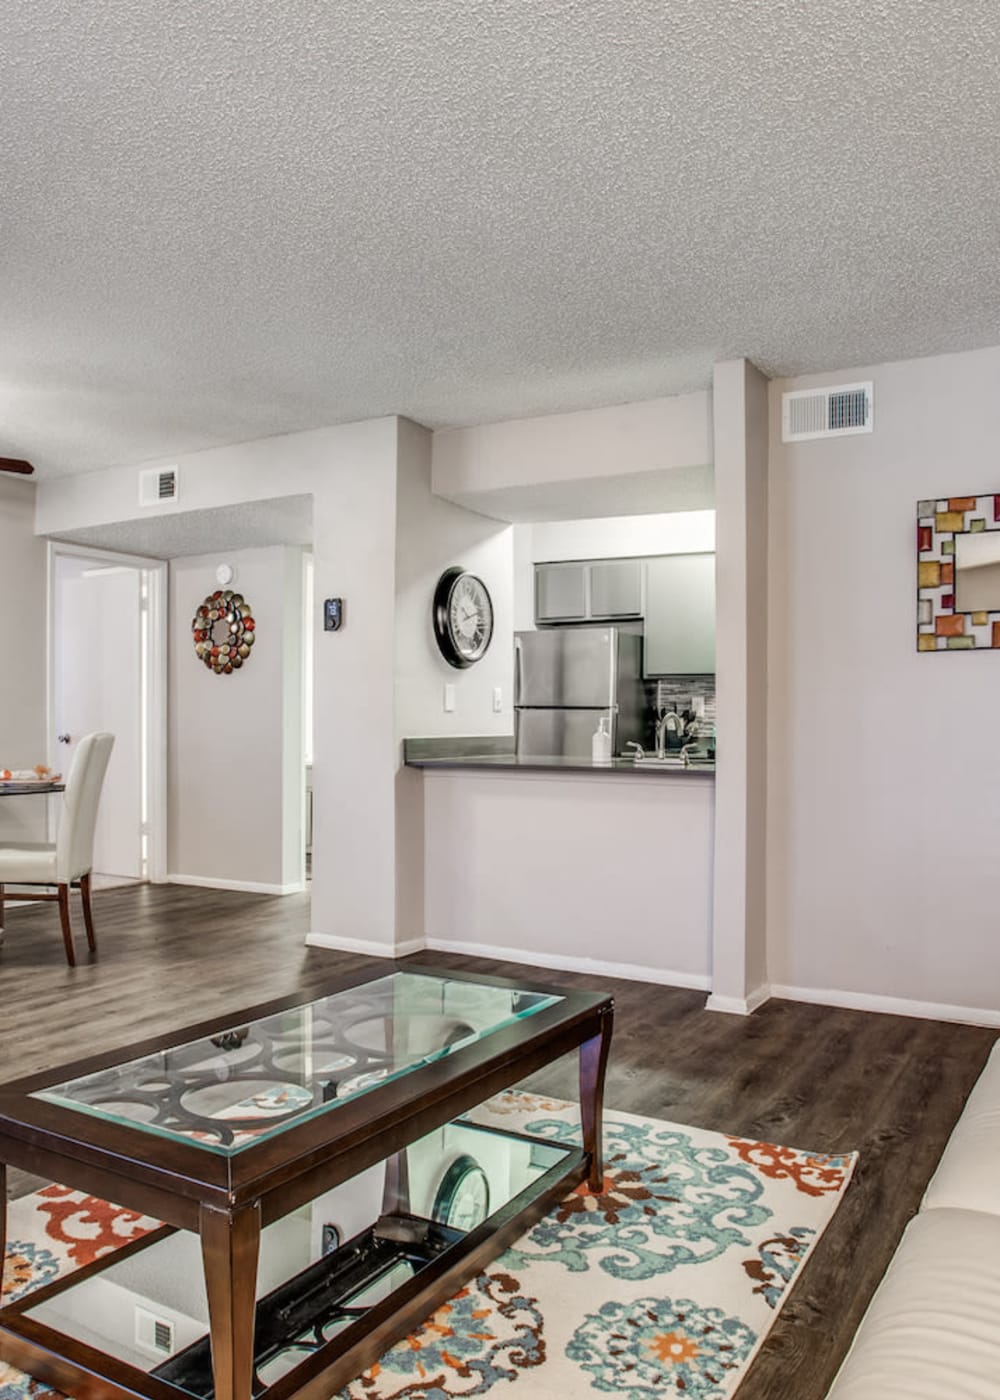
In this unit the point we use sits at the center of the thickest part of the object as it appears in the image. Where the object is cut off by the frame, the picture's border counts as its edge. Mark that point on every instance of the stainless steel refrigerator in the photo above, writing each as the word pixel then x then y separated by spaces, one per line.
pixel 565 678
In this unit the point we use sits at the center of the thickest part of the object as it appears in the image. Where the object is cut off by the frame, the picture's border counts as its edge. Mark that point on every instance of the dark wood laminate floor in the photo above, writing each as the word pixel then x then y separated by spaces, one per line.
pixel 809 1076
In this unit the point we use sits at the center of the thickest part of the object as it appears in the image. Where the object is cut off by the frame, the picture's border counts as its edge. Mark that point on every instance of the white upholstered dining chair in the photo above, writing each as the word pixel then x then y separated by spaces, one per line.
pixel 66 862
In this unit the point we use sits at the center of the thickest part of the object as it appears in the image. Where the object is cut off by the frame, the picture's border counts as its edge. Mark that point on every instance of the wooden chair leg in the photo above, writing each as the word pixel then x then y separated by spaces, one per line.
pixel 67 930
pixel 88 917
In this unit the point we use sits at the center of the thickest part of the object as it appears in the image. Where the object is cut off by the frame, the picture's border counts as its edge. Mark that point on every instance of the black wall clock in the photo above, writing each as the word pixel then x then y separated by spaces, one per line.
pixel 463 617
pixel 463 1198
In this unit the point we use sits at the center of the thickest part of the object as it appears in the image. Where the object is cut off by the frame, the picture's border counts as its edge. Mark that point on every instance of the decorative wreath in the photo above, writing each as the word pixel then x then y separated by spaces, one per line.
pixel 223 631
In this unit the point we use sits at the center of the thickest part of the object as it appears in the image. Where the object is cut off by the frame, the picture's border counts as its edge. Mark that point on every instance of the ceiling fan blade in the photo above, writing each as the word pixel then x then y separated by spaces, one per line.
pixel 16 464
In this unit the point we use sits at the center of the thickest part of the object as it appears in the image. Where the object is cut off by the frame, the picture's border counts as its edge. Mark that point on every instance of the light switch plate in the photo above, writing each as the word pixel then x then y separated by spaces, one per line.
pixel 497 700
pixel 449 697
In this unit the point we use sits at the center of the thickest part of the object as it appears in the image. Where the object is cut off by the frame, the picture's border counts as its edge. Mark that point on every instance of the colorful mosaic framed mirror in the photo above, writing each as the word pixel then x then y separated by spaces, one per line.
pixel 958 574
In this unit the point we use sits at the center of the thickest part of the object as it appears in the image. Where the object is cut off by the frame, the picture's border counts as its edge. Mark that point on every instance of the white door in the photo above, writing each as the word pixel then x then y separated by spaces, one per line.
pixel 97 673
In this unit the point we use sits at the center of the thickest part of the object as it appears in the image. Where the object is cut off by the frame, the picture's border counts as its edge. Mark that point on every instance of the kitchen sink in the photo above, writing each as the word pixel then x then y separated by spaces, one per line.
pixel 650 760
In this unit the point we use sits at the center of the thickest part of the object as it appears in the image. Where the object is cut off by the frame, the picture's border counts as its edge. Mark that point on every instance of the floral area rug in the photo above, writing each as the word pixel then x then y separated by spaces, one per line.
pixel 665 1284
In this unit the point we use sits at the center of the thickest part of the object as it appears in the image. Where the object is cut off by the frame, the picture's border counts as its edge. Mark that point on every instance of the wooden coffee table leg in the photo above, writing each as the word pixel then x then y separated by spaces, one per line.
pixel 230 1244
pixel 396 1184
pixel 3 1220
pixel 593 1063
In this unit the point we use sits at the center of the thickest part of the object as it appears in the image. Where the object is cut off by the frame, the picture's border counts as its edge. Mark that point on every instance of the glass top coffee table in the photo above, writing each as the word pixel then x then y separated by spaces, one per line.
pixel 319 1189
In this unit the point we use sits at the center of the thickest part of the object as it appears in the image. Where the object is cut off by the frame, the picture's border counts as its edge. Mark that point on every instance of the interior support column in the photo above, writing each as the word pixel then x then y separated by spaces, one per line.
pixel 739 927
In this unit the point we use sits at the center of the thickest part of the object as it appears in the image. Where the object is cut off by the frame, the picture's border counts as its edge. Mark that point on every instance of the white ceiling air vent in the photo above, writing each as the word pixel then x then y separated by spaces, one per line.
pixel 153 1335
pixel 158 486
pixel 821 413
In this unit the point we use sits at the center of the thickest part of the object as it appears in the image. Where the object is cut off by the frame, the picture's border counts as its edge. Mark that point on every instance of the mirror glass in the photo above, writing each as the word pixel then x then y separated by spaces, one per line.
pixel 977 571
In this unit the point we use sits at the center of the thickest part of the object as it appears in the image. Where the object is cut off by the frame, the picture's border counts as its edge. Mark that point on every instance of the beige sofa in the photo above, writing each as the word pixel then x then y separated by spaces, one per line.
pixel 932 1329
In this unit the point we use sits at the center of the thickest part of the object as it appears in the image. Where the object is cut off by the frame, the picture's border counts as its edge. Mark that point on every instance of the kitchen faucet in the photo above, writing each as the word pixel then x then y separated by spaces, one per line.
pixel 669 720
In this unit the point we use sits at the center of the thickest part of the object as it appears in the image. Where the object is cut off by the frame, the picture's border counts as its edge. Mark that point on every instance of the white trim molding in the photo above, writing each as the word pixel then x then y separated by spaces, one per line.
pixel 366 946
pixel 740 1006
pixel 890 1006
pixel 630 972
pixel 210 882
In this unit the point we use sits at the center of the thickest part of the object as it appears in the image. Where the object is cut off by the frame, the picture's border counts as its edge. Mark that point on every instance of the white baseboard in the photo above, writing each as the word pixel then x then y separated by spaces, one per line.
pixel 369 947
pixel 740 1006
pixel 244 886
pixel 366 946
pixel 890 1006
pixel 564 962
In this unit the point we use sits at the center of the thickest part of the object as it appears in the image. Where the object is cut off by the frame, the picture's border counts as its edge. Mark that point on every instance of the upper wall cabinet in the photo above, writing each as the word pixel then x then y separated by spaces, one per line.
pixel 680 615
pixel 599 590
pixel 674 592
pixel 615 588
pixel 560 592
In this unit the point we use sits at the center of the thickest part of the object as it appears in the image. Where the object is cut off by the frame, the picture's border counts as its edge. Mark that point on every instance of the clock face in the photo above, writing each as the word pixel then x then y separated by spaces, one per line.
pixel 463 617
pixel 463 1198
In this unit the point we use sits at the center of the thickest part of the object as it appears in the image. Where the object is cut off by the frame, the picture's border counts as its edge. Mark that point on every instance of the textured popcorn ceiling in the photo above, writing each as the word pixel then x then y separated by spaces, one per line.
pixel 284 520
pixel 222 219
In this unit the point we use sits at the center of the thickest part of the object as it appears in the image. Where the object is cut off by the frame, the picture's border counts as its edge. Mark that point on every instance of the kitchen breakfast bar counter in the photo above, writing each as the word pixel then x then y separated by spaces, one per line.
pixel 499 753
pixel 561 863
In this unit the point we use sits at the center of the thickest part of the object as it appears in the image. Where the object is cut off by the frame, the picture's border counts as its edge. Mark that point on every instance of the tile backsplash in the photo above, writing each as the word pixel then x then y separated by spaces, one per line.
pixel 679 691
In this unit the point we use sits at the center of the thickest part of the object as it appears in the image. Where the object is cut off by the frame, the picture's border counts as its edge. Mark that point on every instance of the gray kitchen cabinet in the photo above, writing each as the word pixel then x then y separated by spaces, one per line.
pixel 615 588
pixel 560 592
pixel 680 615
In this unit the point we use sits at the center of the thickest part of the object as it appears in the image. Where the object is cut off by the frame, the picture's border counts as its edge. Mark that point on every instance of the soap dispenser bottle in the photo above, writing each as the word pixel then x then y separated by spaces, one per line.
pixel 600 744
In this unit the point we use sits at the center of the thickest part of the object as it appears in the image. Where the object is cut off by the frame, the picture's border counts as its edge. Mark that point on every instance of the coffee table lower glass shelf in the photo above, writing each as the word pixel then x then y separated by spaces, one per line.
pixel 336 1277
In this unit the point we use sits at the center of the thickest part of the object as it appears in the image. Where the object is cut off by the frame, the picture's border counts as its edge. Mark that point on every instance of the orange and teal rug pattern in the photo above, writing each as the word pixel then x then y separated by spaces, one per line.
pixel 664 1284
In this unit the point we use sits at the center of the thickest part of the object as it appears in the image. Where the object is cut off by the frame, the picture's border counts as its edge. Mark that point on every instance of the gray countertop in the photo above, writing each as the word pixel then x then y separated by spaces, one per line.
pixel 496 754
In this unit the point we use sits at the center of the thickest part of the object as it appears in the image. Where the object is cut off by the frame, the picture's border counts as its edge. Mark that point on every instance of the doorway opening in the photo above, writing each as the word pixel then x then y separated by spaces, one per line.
pixel 107 667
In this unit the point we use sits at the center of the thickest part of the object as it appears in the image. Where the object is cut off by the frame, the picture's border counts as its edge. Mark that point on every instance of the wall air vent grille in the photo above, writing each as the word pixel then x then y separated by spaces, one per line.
pixel 153 1335
pixel 158 486
pixel 820 413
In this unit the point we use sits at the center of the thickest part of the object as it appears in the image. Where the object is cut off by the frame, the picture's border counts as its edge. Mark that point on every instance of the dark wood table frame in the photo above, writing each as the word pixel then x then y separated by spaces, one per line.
pixel 228 1199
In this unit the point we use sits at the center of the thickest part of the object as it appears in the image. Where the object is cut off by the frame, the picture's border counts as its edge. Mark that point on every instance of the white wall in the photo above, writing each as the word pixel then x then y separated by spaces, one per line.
pixel 370 488
pixel 235 758
pixel 608 537
pixel 431 535
pixel 739 953
pixel 884 775
pixel 654 435
pixel 624 536
pixel 350 472
pixel 634 458
pixel 573 870
pixel 23 740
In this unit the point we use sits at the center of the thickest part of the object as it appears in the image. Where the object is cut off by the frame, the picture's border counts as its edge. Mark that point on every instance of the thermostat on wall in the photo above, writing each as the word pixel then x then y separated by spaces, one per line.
pixel 333 614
